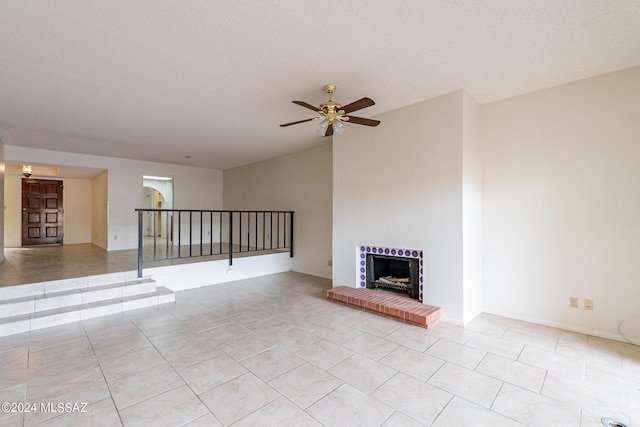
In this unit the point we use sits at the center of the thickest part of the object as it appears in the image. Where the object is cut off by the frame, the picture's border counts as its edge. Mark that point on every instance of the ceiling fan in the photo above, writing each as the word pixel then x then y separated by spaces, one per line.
pixel 334 115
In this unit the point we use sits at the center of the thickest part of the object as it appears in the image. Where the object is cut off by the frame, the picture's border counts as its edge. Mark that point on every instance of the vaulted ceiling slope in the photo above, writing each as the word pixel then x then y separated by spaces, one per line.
pixel 206 83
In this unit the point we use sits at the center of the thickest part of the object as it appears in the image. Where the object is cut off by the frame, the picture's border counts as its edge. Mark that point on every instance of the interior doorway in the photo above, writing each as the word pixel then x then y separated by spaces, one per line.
pixel 157 193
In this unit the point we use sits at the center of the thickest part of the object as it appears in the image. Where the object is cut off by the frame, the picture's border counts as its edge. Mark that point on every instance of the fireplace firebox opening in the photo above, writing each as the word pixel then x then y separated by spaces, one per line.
pixel 394 273
pixel 398 270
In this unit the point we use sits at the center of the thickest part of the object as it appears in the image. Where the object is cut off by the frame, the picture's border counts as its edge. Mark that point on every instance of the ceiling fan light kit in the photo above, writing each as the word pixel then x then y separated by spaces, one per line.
pixel 333 115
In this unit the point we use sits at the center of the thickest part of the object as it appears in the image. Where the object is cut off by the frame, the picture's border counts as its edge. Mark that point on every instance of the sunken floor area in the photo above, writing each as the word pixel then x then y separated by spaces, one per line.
pixel 274 351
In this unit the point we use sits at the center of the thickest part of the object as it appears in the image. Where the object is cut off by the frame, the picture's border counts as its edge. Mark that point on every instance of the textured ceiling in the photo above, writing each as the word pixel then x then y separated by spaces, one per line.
pixel 161 80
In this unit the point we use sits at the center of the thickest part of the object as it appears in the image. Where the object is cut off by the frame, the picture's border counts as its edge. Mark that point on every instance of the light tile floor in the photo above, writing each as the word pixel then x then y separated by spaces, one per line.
pixel 274 351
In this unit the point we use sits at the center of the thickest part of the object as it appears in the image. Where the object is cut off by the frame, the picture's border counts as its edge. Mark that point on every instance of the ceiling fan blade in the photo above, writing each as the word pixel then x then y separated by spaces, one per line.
pixel 305 105
pixel 363 121
pixel 329 131
pixel 295 123
pixel 357 105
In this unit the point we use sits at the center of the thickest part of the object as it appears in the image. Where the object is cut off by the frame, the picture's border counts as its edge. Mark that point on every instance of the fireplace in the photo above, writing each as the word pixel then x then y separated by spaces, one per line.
pixel 393 269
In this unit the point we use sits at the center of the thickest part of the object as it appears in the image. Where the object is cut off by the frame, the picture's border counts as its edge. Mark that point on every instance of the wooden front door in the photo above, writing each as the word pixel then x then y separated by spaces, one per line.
pixel 41 212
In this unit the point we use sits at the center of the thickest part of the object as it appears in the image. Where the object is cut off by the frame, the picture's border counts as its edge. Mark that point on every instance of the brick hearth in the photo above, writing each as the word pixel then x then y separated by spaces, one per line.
pixel 386 304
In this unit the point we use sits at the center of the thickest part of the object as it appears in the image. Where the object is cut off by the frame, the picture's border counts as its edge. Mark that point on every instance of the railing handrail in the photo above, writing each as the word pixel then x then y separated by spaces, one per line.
pixel 226 216
pixel 210 210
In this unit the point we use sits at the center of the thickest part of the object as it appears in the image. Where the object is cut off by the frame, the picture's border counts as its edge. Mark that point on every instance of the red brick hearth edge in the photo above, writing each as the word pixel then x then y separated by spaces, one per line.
pixel 386 304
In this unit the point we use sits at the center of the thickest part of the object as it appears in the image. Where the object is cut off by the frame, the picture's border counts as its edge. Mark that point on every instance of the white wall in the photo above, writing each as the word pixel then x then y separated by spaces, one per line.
pixel 301 182
pixel 471 209
pixel 561 203
pixel 194 188
pixel 400 185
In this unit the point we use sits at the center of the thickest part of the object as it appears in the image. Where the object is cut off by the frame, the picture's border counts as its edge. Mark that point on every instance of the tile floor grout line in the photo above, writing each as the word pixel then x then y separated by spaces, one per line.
pixel 102 372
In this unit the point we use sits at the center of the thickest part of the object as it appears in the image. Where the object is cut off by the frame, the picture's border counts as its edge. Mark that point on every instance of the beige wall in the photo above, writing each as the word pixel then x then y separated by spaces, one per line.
pixel 400 185
pixel 77 211
pixel 76 204
pixel 2 177
pixel 12 211
pixel 561 203
pixel 99 210
pixel 300 182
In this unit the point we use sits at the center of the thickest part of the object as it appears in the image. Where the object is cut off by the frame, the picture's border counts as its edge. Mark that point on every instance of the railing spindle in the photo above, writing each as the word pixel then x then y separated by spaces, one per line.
pixel 291 236
pixel 230 238
pixel 140 213
pixel 155 233
pixel 284 238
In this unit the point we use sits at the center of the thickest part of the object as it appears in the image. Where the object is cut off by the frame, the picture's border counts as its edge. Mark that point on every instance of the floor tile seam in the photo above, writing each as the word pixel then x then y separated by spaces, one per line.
pixel 252 354
pixel 282 373
pixel 513 384
pixel 138 350
pixel 153 367
pixel 184 381
pixel 455 363
pixel 505 415
pixel 228 381
pixel 435 372
pixel 520 352
pixel 114 340
pixel 493 353
pixel 555 399
pixel 54 365
pixel 104 378
pixel 24 399
pixel 387 380
pixel 303 410
pixel 342 382
pixel 249 414
pixel 453 395
pixel 389 417
pixel 153 397
pixel 32 342
pixel 57 367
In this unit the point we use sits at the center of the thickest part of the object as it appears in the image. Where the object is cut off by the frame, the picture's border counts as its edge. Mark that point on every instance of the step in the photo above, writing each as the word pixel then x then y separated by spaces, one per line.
pixel 42 319
pixel 42 288
pixel 73 295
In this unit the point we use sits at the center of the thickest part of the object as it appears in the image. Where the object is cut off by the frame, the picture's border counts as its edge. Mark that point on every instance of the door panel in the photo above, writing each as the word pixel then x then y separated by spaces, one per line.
pixel 41 212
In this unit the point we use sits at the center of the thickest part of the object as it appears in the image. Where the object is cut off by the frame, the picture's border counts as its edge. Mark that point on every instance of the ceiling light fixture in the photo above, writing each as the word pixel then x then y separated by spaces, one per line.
pixel 333 115
pixel 26 171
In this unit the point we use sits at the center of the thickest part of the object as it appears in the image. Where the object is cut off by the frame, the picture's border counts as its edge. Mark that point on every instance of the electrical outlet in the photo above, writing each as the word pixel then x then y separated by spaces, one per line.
pixel 573 302
pixel 588 304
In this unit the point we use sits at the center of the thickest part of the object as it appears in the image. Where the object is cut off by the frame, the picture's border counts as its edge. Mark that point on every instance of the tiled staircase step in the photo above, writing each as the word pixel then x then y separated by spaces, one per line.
pixel 46 318
pixel 73 297
pixel 14 325
pixel 42 288
pixel 17 306
pixel 165 295
pixel 386 304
